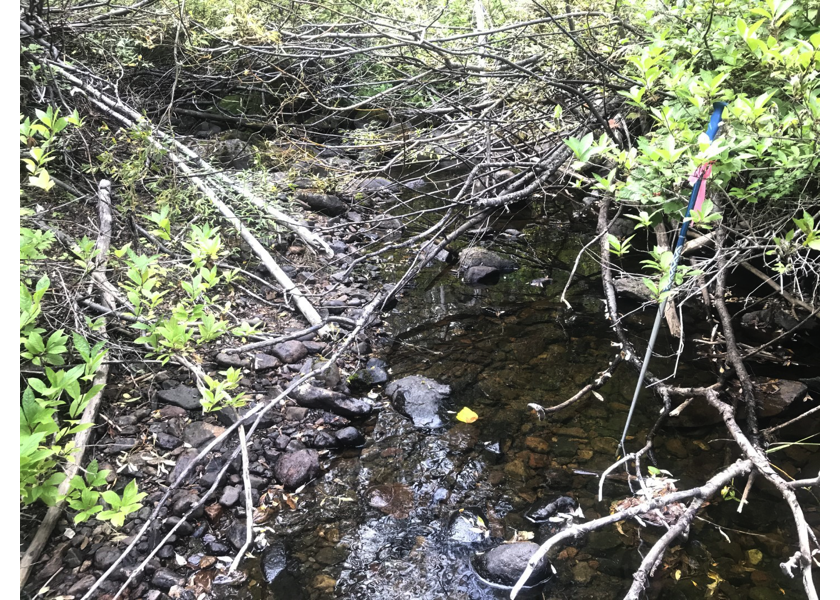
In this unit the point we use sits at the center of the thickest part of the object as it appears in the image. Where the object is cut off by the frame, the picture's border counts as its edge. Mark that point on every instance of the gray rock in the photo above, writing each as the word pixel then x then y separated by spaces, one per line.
pixel 505 563
pixel 234 154
pixel 273 562
pixel 419 398
pixel 237 534
pixel 632 287
pixel 105 557
pixel 323 203
pixel 181 464
pixel 296 413
pixel 237 361
pixel 481 257
pixel 263 362
pixel 165 579
pixel 186 397
pixel 198 433
pixel 296 468
pixel 166 441
pixel 183 529
pixel 349 436
pixel 290 352
pixel 315 397
pixel 121 444
pixel 324 439
pixel 482 275
pixel 79 588
pixel 230 495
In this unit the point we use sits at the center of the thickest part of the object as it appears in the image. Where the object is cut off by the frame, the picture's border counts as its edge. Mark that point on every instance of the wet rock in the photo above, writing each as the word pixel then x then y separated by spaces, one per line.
pixel 237 534
pixel 603 540
pixel 561 509
pixel 214 546
pixel 772 395
pixel 324 439
pixel 237 361
pixel 419 398
pixel 326 204
pixel 263 362
pixel 290 352
pixel 582 572
pixel 468 526
pixel 632 287
pixel 198 433
pixel 505 563
pixel 481 257
pixel 605 445
pixel 296 468
pixel 537 444
pixel 183 501
pixel 676 447
pixel 314 397
pixel 165 579
pixel 187 398
pixel 273 562
pixel 462 437
pixel 166 441
pixel 349 436
pixel 105 557
pixel 482 276
pixel 229 415
pixel 230 495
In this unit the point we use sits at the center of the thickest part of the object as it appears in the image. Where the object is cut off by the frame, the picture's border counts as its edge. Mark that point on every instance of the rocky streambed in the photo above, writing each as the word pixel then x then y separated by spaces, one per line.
pixel 366 486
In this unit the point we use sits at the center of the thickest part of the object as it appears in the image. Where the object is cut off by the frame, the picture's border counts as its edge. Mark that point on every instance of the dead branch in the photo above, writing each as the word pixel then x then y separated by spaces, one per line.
pixel 740 467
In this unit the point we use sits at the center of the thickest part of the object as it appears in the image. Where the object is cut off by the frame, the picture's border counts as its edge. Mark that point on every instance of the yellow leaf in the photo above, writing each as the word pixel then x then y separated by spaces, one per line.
pixel 677 574
pixel 466 416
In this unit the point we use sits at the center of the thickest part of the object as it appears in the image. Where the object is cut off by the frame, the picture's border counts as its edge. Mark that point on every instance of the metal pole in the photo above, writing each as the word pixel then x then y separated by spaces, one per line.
pixel 711 132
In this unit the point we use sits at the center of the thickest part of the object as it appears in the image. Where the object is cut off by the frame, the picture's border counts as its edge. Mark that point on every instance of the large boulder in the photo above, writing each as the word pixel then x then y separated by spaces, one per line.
pixel 419 398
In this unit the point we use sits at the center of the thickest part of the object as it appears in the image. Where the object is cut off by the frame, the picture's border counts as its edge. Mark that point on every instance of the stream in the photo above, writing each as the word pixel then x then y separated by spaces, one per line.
pixel 405 515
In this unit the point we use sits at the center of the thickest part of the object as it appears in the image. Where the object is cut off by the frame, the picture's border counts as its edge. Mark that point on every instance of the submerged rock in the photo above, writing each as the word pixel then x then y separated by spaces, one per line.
pixel 504 564
pixel 419 398
pixel 274 562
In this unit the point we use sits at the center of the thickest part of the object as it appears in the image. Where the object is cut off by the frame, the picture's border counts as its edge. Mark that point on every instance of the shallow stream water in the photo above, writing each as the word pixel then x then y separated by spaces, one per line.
pixel 386 521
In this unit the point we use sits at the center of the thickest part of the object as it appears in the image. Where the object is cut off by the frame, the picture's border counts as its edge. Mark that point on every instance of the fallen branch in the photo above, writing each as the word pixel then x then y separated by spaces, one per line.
pixel 740 467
